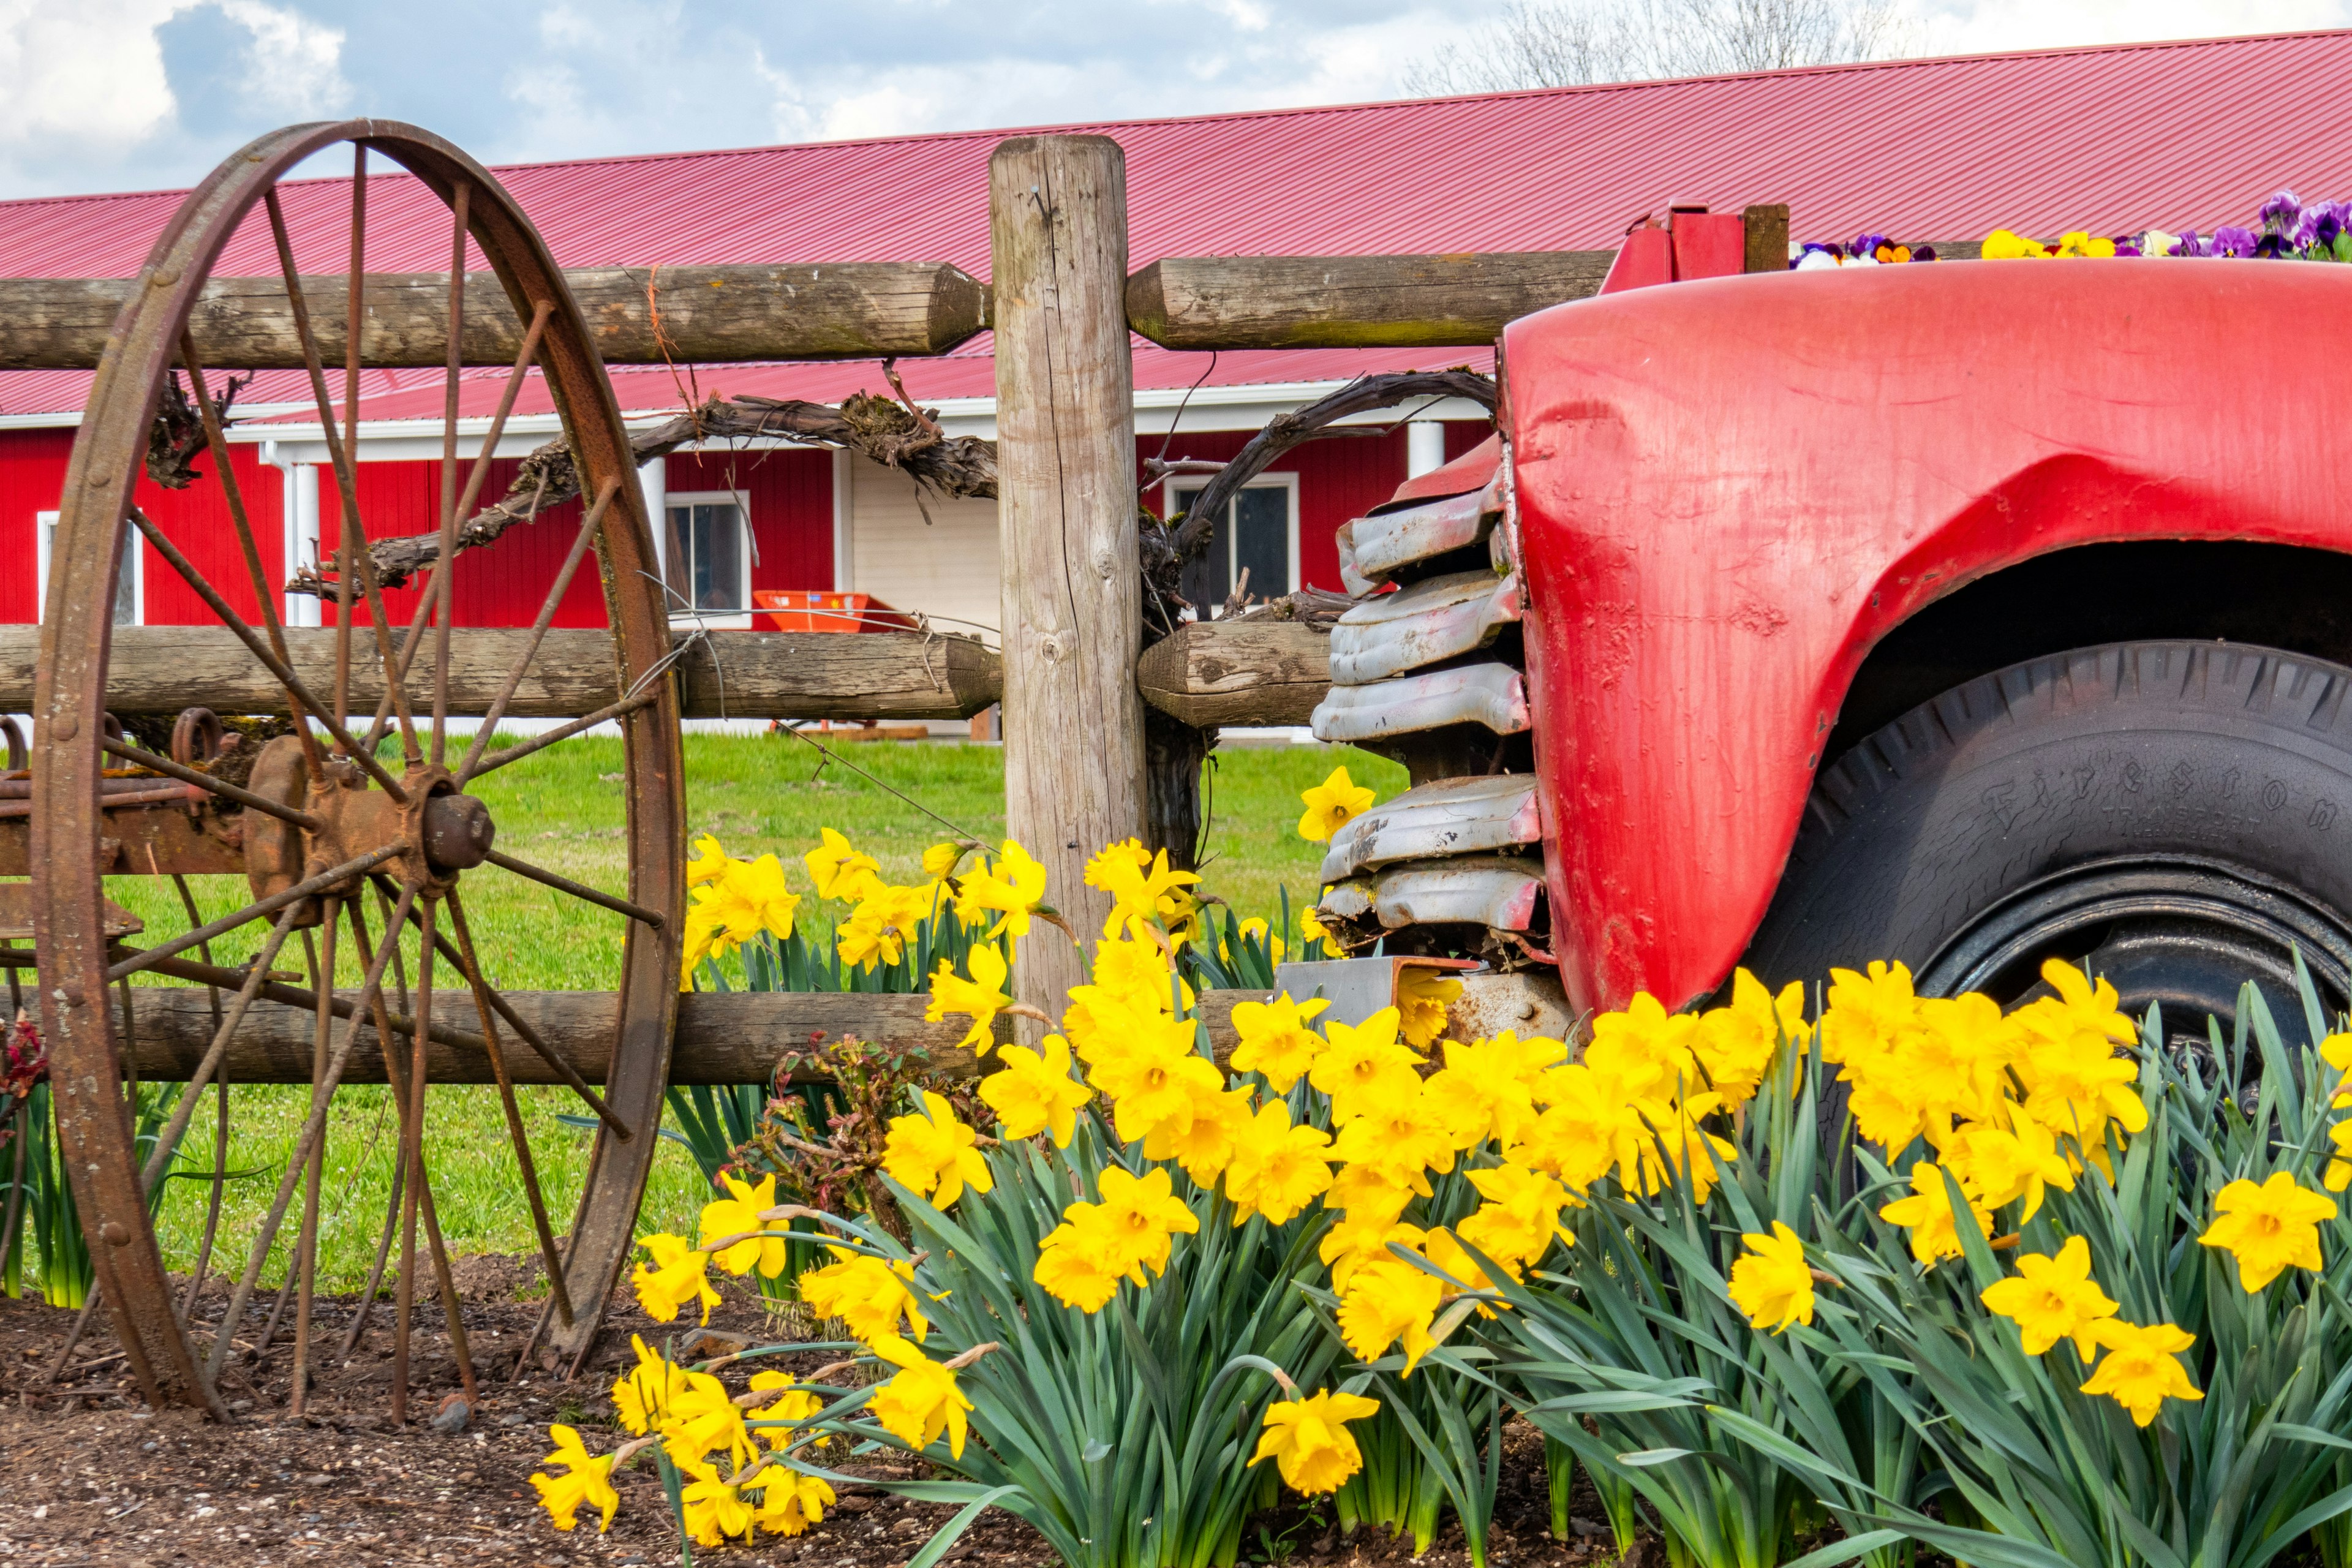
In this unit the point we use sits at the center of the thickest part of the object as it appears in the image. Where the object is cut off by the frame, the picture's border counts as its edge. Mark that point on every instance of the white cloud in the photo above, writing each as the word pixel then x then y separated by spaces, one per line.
pixel 86 82
pixel 296 63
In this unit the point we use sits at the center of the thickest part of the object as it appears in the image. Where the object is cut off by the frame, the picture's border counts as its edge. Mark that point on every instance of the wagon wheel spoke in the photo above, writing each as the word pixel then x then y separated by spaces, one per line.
pixel 255 976
pixel 470 965
pixel 563 884
pixel 233 493
pixel 320 963
pixel 589 524
pixel 313 1128
pixel 546 738
pixel 449 552
pixel 531 1037
pixel 147 958
pixel 204 781
pixel 277 667
pixel 351 534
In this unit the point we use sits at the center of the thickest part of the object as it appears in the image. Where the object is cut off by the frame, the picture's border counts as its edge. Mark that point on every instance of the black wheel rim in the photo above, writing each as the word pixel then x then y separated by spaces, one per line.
pixel 2178 930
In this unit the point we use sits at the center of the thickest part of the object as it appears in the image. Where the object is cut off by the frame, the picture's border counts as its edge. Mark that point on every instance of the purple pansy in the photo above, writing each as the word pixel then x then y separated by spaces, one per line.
pixel 2231 240
pixel 2281 213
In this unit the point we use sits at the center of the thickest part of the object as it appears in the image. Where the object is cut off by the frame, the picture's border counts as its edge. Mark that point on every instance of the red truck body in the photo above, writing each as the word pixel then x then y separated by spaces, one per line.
pixel 1726 491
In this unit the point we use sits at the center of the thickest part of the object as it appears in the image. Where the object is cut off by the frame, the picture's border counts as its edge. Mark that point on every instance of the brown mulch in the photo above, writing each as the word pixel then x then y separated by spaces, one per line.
pixel 90 1476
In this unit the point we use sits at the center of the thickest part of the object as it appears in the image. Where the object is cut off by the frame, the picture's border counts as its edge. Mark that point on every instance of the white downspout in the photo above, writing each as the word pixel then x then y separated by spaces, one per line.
pixel 653 479
pixel 300 510
pixel 844 523
pixel 1424 446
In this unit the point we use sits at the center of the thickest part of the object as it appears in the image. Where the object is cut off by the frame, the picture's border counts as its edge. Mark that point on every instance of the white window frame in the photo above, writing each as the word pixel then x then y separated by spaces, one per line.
pixel 45 526
pixel 1286 482
pixel 741 502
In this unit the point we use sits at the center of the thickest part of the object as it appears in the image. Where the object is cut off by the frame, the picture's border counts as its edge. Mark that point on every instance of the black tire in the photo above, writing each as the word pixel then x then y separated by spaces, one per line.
pixel 2176 815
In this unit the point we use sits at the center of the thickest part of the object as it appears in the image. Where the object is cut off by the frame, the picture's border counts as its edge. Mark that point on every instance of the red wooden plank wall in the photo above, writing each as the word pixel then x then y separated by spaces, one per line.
pixel 501 584
pixel 32 475
pixel 1338 479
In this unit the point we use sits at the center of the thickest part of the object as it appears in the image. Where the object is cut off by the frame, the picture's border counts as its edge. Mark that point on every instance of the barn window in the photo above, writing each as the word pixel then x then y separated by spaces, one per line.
pixel 1258 532
pixel 130 586
pixel 708 555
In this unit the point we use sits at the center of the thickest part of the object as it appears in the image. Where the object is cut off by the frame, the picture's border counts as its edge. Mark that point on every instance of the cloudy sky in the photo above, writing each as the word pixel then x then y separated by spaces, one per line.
pixel 107 95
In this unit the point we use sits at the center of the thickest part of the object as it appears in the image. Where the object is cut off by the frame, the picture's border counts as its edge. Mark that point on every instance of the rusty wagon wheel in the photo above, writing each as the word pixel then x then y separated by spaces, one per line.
pixel 321 827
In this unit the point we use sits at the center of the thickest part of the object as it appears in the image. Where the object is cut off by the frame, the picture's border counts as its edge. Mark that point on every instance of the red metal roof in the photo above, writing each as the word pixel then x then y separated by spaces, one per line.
pixel 2111 139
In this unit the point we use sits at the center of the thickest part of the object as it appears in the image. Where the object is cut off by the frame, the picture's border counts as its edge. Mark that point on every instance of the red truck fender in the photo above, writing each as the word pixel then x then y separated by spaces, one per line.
pixel 1728 490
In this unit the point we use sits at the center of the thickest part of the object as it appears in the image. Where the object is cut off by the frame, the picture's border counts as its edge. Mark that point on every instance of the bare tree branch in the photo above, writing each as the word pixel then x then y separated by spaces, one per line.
pixel 1570 43
pixel 889 433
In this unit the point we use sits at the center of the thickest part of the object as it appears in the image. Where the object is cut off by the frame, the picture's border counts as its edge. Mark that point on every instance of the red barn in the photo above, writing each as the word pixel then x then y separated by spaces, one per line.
pixel 2111 139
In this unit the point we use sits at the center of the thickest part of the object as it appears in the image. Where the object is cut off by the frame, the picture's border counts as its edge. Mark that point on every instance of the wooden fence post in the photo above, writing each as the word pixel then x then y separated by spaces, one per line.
pixel 1066 509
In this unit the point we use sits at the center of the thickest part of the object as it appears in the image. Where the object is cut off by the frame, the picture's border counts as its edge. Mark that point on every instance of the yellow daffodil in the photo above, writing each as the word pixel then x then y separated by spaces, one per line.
pixel 940 860
pixel 644 1396
pixel 673 1277
pixel 867 1294
pixel 708 862
pixel 1771 1281
pixel 1142 1216
pixel 1928 1215
pixel 1331 806
pixel 2000 1165
pixel 1364 1066
pixel 980 998
pixel 787 1400
pixel 2339 1174
pixel 2053 1298
pixel 2142 1367
pixel 1682 1143
pixel 2268 1228
pixel 587 1481
pixel 1520 1218
pixel 1388 1299
pixel 1307 1439
pixel 1144 888
pixel 878 930
pixel 1077 1262
pixel 1397 1136
pixel 1013 890
pixel 1363 1237
pixel 1735 1043
pixel 1203 1141
pixel 1278 1041
pixel 920 1400
pixel 1153 1074
pixel 1645 1050
pixel 840 871
pixel 738 1212
pixel 714 1509
pixel 934 1154
pixel 750 896
pixel 1034 1092
pixel 1588 1129
pixel 703 1420
pixel 1485 1088
pixel 1867 1013
pixel 1423 996
pixel 790 1502
pixel 1277 1169
pixel 1311 929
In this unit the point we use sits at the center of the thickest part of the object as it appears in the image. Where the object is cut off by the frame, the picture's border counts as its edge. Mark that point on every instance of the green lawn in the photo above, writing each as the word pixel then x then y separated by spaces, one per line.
pixel 563 809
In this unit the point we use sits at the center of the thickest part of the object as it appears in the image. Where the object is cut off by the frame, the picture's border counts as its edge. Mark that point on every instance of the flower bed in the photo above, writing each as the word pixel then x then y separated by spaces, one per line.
pixel 1793 1285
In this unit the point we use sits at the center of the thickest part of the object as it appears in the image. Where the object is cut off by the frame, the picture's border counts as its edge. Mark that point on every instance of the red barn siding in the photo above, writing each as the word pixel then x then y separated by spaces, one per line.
pixel 1338 479
pixel 501 584
pixel 32 474
pixel 790 493
pixel 198 520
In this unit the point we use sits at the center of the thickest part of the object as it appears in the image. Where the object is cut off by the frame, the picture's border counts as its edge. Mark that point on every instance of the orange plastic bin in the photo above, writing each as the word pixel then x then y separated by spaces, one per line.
pixel 815 610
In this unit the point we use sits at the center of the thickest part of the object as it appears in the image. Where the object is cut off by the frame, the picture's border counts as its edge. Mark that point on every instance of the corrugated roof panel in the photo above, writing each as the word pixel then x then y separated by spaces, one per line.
pixel 2110 139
